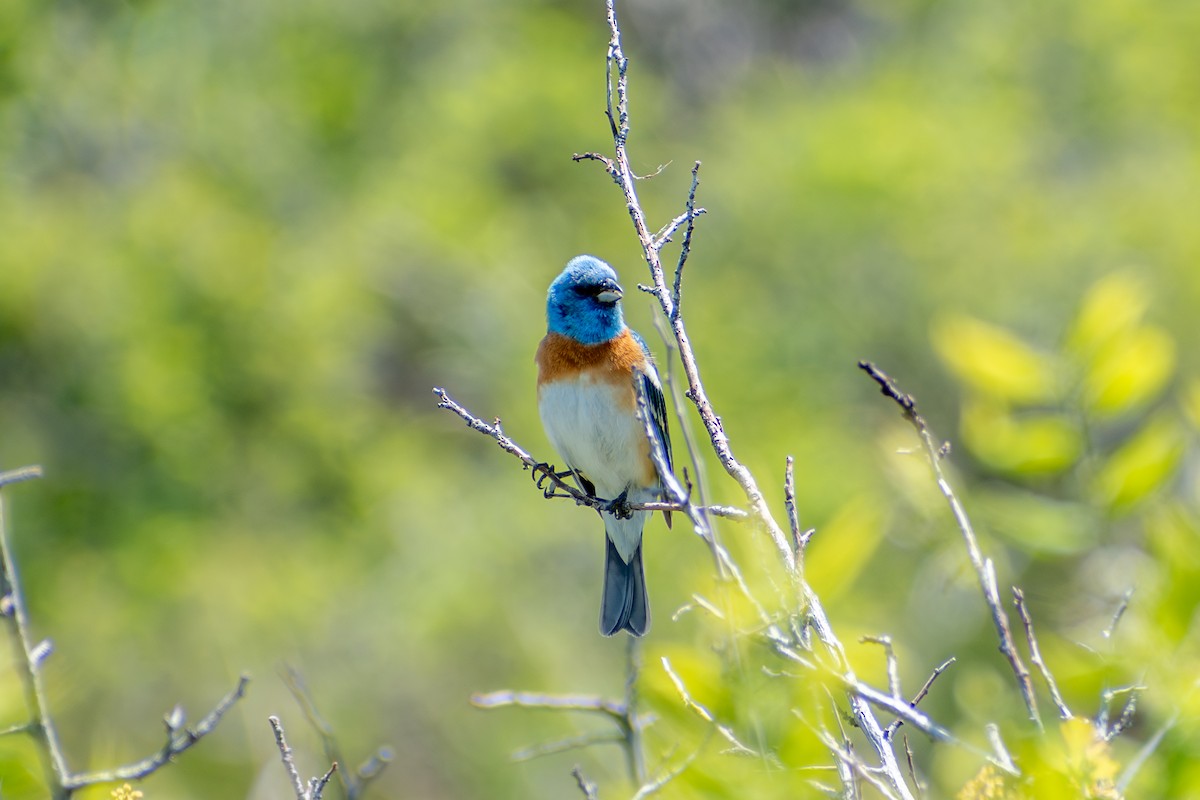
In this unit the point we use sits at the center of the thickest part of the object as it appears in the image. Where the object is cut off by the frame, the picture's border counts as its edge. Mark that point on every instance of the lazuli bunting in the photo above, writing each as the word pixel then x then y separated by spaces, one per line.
pixel 587 364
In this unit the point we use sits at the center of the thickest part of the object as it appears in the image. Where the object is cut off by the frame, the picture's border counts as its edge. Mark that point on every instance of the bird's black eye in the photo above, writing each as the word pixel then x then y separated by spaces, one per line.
pixel 588 290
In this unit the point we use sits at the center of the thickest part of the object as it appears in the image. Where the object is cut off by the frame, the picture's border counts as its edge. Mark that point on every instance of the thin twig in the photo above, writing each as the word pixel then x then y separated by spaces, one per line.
pixel 1000 755
pixel 20 474
pixel 353 782
pixel 938 670
pixel 285 754
pixel 622 174
pixel 586 786
pixel 178 740
pixel 41 725
pixel 621 712
pixel 861 696
pixel 789 502
pixel 559 487
pixel 685 250
pixel 849 759
pixel 1143 754
pixel 844 756
pixel 632 730
pixel 316 786
pixel 736 745
pixel 29 656
pixel 984 569
pixel 912 769
pixel 1120 612
pixel 659 783
pixel 1035 654
pixel 901 708
pixel 1127 713
pixel 893 669
pixel 550 702
pixel 571 743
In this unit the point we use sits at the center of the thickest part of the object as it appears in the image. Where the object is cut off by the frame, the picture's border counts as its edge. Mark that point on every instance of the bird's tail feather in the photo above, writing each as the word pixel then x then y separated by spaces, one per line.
pixel 624 606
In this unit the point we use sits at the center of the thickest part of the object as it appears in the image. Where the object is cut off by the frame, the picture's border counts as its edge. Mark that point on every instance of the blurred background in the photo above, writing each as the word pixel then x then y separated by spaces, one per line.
pixel 241 241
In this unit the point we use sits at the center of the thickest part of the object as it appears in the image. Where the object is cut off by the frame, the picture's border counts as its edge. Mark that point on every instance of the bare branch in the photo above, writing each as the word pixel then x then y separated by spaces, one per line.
pixel 549 702
pixel 19 475
pixel 736 745
pixel 1132 693
pixel 1000 756
pixel 691 213
pixel 622 713
pixel 912 768
pixel 316 786
pixel 285 754
pixel 623 176
pixel 848 758
pixel 570 743
pixel 29 658
pixel 938 670
pixel 630 727
pixel 607 162
pixel 701 602
pixel 353 782
pixel 13 730
pixel 178 740
pixel 1143 754
pixel 1120 612
pixel 657 785
pixel 16 617
pixel 1035 654
pixel 984 569
pixel 544 472
pixel 586 786
pixel 893 669
pixel 789 501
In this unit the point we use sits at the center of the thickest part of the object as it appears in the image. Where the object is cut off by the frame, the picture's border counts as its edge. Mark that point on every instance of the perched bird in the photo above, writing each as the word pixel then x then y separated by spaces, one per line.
pixel 587 367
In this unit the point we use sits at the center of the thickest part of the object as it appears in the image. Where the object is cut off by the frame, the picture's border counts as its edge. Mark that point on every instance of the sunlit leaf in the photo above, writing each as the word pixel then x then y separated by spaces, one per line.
pixel 1029 444
pixel 1129 372
pixel 1113 306
pixel 1141 465
pixel 994 361
pixel 842 546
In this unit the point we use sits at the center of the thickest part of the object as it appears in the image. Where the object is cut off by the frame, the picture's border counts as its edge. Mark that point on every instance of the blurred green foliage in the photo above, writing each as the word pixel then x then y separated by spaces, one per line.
pixel 239 242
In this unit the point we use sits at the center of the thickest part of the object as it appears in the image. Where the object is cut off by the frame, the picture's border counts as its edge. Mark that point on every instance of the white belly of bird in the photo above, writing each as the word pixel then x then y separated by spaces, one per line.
pixel 593 430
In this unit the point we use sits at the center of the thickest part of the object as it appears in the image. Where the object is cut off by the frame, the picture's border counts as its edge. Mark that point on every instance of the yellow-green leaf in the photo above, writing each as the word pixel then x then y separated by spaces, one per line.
pixel 1111 308
pixel 994 361
pixel 1129 371
pixel 1141 465
pixel 1029 444
pixel 843 545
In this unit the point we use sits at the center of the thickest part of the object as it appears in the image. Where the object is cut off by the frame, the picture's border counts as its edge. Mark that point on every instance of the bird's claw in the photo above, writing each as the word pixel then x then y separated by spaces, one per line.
pixel 619 507
pixel 543 472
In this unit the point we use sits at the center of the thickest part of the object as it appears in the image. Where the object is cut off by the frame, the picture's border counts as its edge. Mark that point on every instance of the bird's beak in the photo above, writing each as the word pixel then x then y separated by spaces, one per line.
pixel 611 294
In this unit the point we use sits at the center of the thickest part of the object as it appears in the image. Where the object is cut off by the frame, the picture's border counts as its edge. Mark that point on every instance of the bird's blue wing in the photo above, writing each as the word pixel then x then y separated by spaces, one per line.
pixel 656 401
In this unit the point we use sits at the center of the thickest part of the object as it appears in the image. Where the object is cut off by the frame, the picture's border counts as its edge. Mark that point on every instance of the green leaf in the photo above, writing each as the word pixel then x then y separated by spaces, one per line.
pixel 1129 372
pixel 1029 444
pixel 1141 465
pixel 1112 307
pixel 993 361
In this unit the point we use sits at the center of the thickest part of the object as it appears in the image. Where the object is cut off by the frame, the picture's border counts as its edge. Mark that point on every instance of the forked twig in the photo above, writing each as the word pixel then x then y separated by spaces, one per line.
pixel 985 570
pixel 30 656
pixel 1035 654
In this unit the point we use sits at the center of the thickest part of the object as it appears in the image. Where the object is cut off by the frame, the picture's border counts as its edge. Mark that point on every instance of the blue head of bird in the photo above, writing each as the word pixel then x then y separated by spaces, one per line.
pixel 584 301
